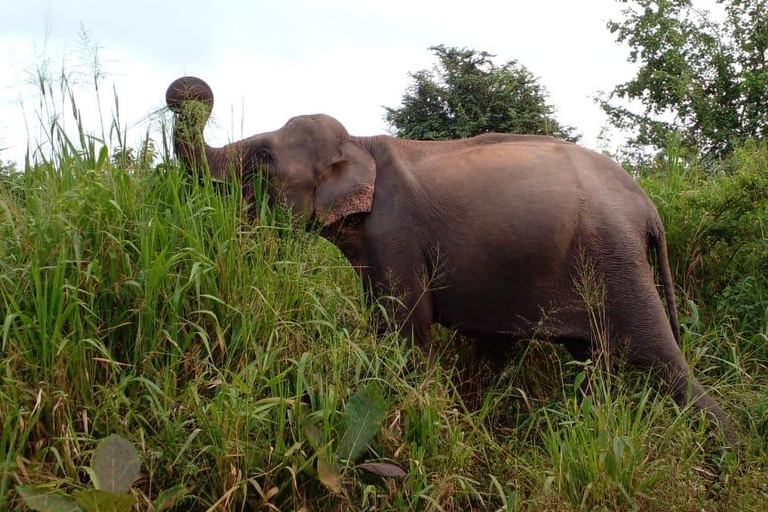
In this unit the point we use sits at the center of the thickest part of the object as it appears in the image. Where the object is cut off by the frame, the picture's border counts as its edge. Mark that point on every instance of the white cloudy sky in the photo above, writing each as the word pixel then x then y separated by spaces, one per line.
pixel 269 60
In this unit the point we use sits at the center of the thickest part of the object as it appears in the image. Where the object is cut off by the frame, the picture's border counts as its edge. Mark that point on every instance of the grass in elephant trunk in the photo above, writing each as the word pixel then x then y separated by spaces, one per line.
pixel 236 353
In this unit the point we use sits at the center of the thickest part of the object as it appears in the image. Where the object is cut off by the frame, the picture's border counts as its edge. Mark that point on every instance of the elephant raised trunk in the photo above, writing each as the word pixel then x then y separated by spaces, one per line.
pixel 311 164
pixel 191 101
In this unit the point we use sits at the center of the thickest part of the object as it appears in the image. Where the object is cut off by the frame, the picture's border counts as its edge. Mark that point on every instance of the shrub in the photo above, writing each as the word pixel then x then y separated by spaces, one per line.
pixel 716 219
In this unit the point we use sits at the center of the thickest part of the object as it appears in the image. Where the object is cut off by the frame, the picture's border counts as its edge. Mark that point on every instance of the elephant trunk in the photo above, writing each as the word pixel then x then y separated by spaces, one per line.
pixel 191 101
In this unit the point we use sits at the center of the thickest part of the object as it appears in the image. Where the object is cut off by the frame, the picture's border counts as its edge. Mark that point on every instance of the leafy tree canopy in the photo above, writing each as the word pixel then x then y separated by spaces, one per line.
pixel 466 94
pixel 704 78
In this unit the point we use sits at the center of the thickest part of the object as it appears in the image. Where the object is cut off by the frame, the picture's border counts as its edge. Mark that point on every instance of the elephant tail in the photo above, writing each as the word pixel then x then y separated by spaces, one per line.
pixel 657 240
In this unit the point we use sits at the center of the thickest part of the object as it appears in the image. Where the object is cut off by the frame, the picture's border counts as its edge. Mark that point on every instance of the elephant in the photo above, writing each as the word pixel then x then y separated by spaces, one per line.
pixel 496 236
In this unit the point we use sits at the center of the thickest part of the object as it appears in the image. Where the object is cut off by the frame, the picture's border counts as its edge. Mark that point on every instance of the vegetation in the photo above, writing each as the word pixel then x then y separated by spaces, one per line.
pixel 704 79
pixel 239 360
pixel 715 223
pixel 466 94
pixel 235 353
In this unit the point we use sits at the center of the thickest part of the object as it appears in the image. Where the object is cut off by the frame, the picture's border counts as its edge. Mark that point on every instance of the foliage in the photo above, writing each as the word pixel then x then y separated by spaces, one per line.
pixel 599 451
pixel 126 307
pixel 466 94
pixel 346 439
pixel 7 167
pixel 717 231
pixel 115 466
pixel 704 78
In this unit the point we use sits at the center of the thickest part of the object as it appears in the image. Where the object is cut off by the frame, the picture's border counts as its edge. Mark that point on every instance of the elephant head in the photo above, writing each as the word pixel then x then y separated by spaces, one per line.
pixel 311 164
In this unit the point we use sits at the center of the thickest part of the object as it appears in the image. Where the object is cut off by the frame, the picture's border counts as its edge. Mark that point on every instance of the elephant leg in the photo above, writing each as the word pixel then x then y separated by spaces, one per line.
pixel 415 319
pixel 668 363
pixel 670 366
pixel 579 348
pixel 641 330
pixel 495 349
pixel 405 296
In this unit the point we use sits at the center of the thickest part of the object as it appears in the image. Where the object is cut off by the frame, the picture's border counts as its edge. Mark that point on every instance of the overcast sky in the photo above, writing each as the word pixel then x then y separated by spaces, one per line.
pixel 267 61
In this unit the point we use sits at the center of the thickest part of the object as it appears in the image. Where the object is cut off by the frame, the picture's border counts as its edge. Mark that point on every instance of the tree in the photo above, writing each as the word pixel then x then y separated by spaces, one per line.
pixel 466 94
pixel 707 80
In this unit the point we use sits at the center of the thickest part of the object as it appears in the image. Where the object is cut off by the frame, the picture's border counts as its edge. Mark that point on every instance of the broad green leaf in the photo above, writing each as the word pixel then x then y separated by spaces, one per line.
pixel 169 497
pixel 329 475
pixel 312 432
pixel 365 410
pixel 103 157
pixel 578 381
pixel 618 448
pixel 93 500
pixel 383 469
pixel 116 465
pixel 42 499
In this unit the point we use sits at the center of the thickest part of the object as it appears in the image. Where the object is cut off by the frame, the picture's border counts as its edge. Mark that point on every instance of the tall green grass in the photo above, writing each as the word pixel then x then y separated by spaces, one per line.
pixel 236 352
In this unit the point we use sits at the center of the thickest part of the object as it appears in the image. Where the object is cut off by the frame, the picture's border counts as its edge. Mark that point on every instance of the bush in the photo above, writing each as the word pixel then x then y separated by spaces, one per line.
pixel 716 219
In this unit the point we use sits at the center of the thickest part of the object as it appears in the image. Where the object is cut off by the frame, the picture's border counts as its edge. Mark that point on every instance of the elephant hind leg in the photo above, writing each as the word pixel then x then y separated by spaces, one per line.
pixel 676 375
pixel 642 331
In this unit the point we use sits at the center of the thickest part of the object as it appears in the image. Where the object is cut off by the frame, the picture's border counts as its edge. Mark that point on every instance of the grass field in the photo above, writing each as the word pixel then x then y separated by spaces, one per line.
pixel 237 354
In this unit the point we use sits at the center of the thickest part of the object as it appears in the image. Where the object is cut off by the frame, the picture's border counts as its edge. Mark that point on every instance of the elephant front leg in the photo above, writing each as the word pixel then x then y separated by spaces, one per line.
pixel 407 300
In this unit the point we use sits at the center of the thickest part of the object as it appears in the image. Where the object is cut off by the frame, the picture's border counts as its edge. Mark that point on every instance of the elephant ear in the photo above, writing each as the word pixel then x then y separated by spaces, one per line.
pixel 345 186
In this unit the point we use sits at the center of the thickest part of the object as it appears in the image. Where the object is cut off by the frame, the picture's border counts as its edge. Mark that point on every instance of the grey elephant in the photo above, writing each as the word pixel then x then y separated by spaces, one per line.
pixel 494 235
